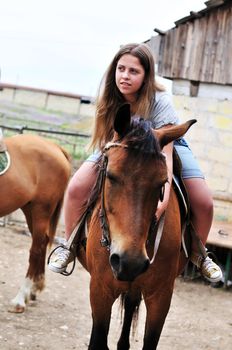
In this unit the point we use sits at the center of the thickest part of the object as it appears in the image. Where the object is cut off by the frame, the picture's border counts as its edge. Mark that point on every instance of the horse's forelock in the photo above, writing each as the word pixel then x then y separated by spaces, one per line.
pixel 141 138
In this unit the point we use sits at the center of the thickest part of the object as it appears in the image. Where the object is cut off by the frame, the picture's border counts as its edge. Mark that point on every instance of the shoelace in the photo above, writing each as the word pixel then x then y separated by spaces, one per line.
pixel 209 265
pixel 63 254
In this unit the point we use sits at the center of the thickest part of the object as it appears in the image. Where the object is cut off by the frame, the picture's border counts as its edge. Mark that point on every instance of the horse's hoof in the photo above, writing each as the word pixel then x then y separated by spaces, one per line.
pixel 16 309
pixel 33 296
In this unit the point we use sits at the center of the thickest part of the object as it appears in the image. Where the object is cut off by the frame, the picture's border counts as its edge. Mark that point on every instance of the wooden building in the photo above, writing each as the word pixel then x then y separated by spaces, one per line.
pixel 196 54
pixel 198 48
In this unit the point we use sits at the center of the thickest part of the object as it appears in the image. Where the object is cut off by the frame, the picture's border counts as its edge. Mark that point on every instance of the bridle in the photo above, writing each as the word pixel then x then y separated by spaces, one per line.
pixel 105 239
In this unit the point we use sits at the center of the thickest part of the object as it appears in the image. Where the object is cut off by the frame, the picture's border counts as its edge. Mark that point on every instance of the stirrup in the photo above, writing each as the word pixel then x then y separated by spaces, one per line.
pixel 213 256
pixel 65 273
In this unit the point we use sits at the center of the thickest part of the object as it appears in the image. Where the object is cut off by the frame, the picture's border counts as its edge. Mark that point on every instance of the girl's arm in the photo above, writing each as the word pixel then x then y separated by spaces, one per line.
pixel 168 149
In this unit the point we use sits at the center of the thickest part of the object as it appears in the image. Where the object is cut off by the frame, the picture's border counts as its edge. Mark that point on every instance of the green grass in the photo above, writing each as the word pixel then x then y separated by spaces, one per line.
pixel 74 145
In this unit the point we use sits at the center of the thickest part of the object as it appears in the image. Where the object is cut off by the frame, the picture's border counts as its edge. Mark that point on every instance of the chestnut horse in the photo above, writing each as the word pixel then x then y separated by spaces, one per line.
pixel 35 182
pixel 129 261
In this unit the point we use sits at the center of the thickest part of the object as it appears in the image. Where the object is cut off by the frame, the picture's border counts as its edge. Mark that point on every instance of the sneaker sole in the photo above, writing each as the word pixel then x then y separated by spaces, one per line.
pixel 218 279
pixel 57 269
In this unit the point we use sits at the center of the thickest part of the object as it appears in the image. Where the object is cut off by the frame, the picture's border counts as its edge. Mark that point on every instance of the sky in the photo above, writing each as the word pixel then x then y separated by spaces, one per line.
pixel 67 45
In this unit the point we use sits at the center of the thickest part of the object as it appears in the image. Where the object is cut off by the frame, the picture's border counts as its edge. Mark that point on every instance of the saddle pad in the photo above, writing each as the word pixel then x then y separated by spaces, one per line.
pixel 4 162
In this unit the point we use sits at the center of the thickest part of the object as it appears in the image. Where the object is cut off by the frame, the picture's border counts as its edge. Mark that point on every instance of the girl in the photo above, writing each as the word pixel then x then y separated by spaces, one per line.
pixel 131 78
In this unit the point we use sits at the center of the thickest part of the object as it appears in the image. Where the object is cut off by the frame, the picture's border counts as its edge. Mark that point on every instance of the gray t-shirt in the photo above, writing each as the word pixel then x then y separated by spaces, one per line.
pixel 163 112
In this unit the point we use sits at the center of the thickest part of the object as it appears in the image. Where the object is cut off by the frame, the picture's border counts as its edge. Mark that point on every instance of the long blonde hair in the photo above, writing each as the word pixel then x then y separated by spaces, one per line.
pixel 110 98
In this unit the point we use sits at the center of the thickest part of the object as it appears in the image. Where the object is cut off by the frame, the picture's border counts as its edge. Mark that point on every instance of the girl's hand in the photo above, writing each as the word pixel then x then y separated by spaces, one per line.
pixel 162 206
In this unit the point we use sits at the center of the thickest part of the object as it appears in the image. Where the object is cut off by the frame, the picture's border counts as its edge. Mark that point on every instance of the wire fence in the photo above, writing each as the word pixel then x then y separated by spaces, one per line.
pixel 74 142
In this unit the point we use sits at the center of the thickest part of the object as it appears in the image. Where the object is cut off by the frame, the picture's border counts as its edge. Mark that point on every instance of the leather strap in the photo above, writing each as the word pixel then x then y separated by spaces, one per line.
pixel 158 236
pixel 75 235
pixel 202 249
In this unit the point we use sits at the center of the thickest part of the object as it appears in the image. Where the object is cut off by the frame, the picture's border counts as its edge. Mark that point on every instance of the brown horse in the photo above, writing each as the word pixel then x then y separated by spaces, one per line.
pixel 35 182
pixel 132 178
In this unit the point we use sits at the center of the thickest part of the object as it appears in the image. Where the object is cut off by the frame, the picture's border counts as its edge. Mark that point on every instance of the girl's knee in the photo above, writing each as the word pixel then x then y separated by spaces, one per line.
pixel 203 204
pixel 200 196
pixel 72 189
pixel 207 204
pixel 80 185
pixel 206 200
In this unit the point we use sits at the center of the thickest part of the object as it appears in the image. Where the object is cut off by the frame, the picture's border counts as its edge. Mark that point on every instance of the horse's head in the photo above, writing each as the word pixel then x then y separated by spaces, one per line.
pixel 135 174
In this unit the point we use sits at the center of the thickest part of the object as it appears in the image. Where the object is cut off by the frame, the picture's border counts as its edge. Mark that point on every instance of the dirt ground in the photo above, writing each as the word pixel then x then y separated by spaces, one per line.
pixel 200 316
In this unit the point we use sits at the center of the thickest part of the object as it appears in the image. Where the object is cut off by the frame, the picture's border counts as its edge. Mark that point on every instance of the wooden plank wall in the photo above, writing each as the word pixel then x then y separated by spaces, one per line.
pixel 200 49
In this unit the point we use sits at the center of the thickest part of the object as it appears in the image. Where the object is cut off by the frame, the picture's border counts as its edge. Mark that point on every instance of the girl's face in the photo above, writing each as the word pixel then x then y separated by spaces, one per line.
pixel 129 76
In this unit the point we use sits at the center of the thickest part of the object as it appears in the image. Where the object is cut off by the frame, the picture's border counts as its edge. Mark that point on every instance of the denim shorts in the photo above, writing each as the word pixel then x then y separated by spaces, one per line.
pixel 190 167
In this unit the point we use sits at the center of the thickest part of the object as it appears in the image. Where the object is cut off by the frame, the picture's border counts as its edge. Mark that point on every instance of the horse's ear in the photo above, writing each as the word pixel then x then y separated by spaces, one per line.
pixel 122 120
pixel 167 135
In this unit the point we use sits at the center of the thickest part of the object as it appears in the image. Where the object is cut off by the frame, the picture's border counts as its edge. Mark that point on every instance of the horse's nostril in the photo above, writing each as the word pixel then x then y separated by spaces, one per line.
pixel 115 261
pixel 126 269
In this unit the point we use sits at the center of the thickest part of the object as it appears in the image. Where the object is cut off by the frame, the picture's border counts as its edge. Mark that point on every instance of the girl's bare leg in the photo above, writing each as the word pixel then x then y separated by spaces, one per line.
pixel 77 195
pixel 201 203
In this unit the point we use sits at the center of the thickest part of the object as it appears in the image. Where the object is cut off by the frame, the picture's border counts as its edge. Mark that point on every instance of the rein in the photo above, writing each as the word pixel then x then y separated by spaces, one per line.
pixel 105 240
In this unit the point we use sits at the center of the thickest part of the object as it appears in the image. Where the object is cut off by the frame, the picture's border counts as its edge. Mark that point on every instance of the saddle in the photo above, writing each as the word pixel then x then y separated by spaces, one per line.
pixel 4 156
pixel 179 187
pixel 182 195
pixel 3 147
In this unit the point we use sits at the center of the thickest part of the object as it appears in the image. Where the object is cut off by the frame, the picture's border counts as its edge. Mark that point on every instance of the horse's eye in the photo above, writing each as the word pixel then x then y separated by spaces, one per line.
pixel 111 177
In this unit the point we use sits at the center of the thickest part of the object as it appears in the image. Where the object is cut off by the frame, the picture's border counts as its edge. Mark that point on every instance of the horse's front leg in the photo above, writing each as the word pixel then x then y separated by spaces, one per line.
pixel 35 278
pixel 157 307
pixel 101 305
pixel 26 292
pixel 131 303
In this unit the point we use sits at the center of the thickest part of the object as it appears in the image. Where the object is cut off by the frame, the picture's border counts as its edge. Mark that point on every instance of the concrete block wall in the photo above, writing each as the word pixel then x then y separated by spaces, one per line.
pixel 30 98
pixel 63 104
pixel 211 142
pixel 47 100
pixel 210 139
pixel 7 94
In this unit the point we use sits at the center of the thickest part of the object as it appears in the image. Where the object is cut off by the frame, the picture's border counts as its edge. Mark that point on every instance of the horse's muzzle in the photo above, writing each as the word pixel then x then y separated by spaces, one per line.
pixel 127 268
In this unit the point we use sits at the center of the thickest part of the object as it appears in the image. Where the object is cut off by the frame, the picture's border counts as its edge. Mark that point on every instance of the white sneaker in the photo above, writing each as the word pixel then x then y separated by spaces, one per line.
pixel 59 259
pixel 210 270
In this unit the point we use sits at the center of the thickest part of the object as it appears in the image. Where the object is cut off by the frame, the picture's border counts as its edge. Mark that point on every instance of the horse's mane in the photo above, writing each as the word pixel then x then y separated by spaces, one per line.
pixel 141 141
